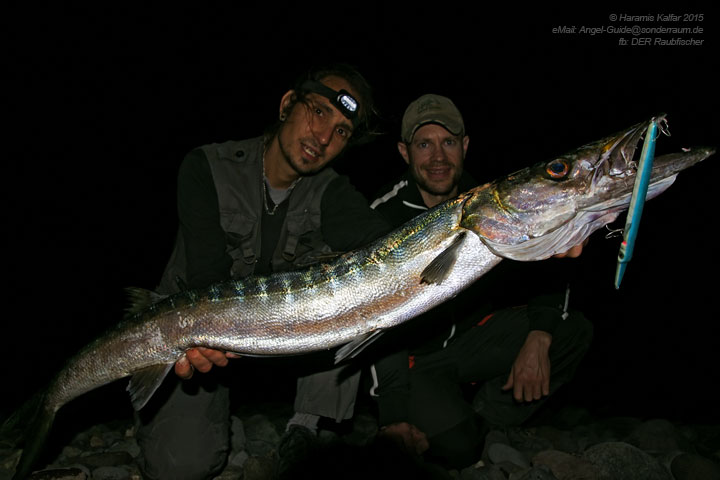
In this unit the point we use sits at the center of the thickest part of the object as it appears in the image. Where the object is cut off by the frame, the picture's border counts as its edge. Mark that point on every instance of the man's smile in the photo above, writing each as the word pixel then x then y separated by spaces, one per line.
pixel 310 151
pixel 438 172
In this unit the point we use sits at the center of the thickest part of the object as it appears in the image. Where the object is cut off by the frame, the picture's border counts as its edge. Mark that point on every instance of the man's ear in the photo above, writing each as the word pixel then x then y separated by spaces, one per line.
pixel 402 148
pixel 285 102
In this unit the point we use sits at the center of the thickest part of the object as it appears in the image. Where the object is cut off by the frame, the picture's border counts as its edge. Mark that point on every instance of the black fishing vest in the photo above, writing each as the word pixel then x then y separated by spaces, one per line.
pixel 237 172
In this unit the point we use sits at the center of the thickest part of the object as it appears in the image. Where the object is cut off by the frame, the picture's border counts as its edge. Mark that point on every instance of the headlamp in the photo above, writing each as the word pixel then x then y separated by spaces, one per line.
pixel 342 100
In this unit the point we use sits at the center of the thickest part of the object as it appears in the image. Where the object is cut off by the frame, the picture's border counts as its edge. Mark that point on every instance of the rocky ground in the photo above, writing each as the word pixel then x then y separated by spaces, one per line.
pixel 563 444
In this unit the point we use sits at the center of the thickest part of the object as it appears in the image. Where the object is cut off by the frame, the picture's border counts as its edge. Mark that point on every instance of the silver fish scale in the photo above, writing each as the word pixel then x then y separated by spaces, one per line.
pixel 319 308
pixel 374 291
pixel 135 346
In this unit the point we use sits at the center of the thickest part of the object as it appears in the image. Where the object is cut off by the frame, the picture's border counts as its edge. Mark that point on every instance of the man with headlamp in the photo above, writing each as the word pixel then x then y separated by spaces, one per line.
pixel 260 206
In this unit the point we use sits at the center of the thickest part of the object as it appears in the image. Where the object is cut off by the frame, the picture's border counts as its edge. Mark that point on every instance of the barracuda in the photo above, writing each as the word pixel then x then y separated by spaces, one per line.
pixel 529 215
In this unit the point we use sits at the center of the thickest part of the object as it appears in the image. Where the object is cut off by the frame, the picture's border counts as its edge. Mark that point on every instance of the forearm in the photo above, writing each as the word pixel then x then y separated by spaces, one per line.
pixel 199 215
pixel 347 220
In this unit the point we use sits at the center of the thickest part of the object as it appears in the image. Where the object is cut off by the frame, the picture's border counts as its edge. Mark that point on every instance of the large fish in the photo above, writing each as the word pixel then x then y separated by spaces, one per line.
pixel 529 215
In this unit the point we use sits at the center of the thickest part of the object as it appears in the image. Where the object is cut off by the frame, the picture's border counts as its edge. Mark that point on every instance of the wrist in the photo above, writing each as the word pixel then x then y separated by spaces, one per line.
pixel 540 336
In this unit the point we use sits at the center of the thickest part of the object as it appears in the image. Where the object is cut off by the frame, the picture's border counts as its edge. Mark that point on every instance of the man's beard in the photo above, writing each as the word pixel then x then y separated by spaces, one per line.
pixel 299 165
pixel 434 190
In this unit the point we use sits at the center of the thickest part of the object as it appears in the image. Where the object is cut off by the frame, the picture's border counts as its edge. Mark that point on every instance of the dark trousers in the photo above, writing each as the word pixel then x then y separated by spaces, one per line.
pixel 184 432
pixel 484 356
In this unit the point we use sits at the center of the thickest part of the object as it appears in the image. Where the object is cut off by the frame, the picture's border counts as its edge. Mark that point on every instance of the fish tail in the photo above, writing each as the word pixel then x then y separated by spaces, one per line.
pixel 38 419
pixel 14 427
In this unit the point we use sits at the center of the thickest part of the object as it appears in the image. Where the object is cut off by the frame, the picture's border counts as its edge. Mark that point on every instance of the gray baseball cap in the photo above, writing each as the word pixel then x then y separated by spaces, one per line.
pixel 431 108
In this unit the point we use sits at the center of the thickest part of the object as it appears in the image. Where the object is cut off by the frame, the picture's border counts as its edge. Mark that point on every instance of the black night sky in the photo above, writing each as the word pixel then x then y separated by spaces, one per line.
pixel 102 104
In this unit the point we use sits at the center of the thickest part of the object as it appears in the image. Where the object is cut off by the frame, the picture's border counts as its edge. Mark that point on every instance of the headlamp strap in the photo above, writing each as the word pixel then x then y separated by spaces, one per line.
pixel 342 100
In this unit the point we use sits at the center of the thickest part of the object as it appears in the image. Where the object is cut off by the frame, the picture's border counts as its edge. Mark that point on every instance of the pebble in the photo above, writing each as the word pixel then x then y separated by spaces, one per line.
pixel 499 453
pixel 566 465
pixel 622 461
pixel 111 473
pixel 614 448
pixel 691 466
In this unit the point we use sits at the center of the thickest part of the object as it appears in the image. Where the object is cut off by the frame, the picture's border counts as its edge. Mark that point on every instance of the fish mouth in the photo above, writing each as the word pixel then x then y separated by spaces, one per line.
pixel 601 186
pixel 615 173
pixel 616 153
pixel 615 168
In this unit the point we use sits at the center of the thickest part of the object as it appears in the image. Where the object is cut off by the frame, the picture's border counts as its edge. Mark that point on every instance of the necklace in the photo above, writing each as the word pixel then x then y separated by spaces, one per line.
pixel 284 194
pixel 265 200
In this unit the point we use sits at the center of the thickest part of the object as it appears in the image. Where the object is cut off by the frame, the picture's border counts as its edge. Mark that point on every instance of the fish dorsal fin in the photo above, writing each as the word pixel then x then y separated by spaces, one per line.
pixel 182 286
pixel 439 269
pixel 145 382
pixel 353 349
pixel 315 258
pixel 140 299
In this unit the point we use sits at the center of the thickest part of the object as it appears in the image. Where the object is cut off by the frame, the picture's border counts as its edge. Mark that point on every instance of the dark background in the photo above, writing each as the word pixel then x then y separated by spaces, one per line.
pixel 102 103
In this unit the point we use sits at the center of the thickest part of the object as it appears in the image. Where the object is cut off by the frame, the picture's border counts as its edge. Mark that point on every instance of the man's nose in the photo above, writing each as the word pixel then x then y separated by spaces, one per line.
pixel 323 132
pixel 439 154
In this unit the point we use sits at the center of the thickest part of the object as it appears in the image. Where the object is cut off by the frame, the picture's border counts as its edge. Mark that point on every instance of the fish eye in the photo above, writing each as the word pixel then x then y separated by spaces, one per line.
pixel 557 169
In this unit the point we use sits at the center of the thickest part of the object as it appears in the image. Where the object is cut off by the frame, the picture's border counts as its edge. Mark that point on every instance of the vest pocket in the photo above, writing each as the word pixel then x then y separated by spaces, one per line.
pixel 304 239
pixel 239 237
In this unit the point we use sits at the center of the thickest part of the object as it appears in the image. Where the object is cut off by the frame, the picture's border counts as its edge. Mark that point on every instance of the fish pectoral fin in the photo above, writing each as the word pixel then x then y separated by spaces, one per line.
pixel 145 382
pixel 439 269
pixel 353 349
